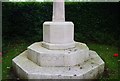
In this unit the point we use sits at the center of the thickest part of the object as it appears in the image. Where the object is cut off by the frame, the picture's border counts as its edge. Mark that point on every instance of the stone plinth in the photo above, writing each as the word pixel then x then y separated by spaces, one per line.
pixel 58 35
pixel 90 69
pixel 66 57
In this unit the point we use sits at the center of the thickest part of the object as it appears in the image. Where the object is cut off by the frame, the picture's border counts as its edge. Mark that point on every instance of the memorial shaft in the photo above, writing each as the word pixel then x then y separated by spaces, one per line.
pixel 58 11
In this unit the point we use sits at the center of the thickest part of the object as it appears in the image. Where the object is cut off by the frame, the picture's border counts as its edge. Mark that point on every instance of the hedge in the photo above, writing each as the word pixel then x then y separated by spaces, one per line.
pixel 94 22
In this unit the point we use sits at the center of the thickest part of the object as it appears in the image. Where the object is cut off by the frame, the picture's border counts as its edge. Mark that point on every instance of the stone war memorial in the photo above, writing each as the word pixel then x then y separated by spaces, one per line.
pixel 58 56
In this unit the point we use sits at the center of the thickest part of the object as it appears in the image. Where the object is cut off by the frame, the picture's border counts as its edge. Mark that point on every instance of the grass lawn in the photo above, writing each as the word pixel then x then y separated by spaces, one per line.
pixel 14 48
pixel 0 68
pixel 106 52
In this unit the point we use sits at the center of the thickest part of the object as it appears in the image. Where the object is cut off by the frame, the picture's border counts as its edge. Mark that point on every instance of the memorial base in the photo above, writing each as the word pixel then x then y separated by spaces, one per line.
pixel 89 69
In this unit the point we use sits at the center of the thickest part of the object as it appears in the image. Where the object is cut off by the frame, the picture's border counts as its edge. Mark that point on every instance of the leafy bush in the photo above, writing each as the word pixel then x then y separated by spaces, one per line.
pixel 94 22
pixel 24 19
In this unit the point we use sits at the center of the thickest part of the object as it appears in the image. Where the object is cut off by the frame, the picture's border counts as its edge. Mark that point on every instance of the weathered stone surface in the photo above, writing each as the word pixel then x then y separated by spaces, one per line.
pixel 27 69
pixel 67 57
pixel 58 35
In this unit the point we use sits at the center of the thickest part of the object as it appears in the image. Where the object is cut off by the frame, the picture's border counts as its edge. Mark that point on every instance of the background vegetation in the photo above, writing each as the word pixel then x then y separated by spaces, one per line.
pixel 96 24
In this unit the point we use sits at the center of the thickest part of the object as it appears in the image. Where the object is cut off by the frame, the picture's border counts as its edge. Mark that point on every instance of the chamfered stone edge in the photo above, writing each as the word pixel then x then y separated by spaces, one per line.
pixel 27 69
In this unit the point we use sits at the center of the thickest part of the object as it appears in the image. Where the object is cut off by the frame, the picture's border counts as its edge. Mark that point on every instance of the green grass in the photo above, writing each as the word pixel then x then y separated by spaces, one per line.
pixel 111 63
pixel 0 68
pixel 12 49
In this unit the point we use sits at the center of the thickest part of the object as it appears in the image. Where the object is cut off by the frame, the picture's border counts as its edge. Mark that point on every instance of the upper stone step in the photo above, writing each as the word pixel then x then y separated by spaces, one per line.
pixel 67 57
